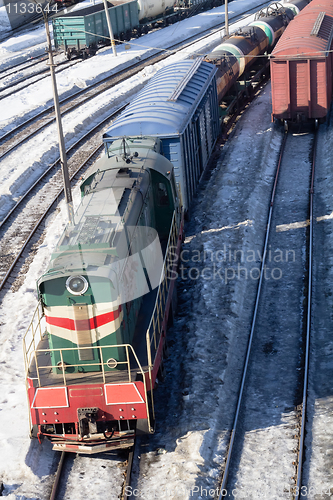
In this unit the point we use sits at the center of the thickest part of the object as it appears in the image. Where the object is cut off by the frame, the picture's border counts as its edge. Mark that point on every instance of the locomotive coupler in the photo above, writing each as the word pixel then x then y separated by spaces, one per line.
pixel 87 421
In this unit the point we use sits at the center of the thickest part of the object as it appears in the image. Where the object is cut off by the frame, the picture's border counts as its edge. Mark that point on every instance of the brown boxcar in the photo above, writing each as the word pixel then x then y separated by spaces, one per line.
pixel 301 65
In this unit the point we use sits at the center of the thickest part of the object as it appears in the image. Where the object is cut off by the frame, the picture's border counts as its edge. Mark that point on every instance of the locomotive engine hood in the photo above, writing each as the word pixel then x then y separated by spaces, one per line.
pixel 105 249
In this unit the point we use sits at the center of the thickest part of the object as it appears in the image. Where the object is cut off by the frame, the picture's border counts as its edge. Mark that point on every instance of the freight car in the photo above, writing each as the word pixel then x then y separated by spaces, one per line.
pixel 238 52
pixel 184 119
pixel 83 31
pixel 95 345
pixel 301 66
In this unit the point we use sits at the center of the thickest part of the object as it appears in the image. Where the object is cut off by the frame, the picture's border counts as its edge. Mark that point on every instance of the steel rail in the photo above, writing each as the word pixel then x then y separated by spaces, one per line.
pixel 55 163
pixel 40 59
pixel 223 490
pixel 119 77
pixel 126 495
pixel 46 70
pixel 58 475
pixel 308 333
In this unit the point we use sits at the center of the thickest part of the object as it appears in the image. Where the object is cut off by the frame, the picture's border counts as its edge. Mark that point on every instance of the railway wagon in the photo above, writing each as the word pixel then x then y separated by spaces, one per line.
pixel 179 107
pixel 296 6
pixel 238 52
pixel 95 344
pixel 81 32
pixel 301 66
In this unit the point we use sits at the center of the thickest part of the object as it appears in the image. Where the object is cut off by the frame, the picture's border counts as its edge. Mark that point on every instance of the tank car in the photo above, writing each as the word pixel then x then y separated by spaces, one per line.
pixel 93 353
pixel 239 51
pixel 82 32
pixel 301 66
pixel 296 6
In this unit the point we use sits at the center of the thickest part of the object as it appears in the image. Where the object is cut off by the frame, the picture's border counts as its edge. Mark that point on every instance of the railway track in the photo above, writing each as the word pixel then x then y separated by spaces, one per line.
pixel 32 78
pixel 20 225
pixel 109 471
pixel 16 68
pixel 272 399
pixel 25 130
pixel 18 228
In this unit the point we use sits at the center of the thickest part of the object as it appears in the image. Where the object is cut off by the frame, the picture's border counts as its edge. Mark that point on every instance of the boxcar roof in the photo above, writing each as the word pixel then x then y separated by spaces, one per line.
pixel 167 103
pixel 309 34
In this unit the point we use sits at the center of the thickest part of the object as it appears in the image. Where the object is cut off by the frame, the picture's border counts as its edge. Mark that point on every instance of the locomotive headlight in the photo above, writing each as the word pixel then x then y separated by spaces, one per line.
pixel 77 285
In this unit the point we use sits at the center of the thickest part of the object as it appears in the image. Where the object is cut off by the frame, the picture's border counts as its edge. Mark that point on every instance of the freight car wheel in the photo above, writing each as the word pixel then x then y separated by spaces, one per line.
pixel 285 125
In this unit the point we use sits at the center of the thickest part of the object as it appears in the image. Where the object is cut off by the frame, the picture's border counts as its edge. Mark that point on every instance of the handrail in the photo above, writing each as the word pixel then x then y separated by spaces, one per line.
pixel 128 349
pixel 153 333
pixel 161 297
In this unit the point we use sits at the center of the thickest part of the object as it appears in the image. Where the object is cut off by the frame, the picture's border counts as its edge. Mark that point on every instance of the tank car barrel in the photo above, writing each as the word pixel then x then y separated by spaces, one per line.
pixel 238 53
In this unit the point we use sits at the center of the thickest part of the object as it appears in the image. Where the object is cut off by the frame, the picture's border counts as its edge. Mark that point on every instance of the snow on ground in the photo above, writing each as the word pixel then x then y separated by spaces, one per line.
pixel 26 163
pixel 21 461
pixel 4 21
pixel 24 465
pixel 104 63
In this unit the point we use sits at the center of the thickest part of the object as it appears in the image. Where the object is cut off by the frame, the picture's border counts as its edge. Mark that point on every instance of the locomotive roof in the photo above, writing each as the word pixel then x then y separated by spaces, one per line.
pixel 310 34
pixel 167 103
pixel 133 145
pixel 110 196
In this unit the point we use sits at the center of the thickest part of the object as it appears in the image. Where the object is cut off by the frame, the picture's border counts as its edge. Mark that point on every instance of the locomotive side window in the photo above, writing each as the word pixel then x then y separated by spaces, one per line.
pixel 162 195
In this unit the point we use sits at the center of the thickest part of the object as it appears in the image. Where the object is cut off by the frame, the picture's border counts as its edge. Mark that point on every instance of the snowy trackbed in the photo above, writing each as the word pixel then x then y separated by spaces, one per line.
pixel 11 83
pixel 21 223
pixel 270 399
pixel 77 474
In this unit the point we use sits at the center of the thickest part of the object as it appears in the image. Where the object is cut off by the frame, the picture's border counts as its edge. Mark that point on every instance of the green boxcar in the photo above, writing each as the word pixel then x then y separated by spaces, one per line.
pixel 80 32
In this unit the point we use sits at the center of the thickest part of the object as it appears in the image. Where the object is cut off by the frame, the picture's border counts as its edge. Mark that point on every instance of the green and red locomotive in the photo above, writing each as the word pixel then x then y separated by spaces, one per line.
pixel 95 344
pixel 105 300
